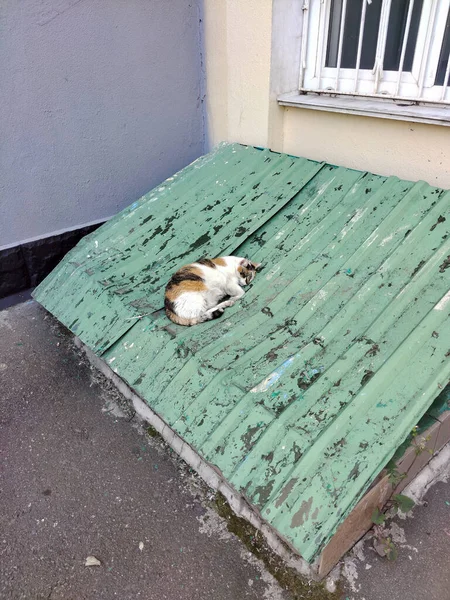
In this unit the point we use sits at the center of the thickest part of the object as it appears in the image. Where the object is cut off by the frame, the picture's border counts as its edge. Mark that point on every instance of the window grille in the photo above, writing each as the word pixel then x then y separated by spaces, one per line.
pixel 390 49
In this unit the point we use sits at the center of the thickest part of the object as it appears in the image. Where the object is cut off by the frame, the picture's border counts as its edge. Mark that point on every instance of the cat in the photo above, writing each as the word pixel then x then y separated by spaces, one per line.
pixel 202 290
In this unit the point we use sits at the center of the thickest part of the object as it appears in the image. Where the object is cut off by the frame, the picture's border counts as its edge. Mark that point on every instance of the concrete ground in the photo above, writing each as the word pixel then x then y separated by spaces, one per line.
pixel 422 569
pixel 80 479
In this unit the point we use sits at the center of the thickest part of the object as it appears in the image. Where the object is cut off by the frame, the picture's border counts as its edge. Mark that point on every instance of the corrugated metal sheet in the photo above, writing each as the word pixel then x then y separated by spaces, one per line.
pixel 303 390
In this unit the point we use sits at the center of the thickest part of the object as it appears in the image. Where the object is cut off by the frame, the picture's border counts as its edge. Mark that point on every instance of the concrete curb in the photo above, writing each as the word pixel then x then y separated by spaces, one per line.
pixel 438 469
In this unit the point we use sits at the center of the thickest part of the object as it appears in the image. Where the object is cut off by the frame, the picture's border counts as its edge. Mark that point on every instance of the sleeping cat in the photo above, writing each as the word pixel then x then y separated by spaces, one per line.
pixel 196 292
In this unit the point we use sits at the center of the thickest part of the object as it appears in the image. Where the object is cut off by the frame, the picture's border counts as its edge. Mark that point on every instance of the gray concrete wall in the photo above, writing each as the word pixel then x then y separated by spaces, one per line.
pixel 100 101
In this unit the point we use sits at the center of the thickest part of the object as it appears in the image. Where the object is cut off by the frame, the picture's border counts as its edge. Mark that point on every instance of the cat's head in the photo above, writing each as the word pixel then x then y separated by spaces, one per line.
pixel 247 270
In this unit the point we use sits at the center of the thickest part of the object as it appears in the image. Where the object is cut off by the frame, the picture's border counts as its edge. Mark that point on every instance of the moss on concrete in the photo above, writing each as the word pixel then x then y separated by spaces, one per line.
pixel 288 578
pixel 151 431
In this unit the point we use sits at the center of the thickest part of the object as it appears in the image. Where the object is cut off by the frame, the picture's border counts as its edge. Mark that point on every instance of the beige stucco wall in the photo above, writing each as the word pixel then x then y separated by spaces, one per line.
pixel 237 37
pixel 241 106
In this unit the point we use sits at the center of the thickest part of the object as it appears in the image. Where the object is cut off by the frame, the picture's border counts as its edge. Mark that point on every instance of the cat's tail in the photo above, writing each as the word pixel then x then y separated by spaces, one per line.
pixel 183 320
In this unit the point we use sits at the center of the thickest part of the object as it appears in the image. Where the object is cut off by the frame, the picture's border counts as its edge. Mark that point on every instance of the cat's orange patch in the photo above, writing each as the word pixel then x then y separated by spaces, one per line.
pixel 192 286
pixel 219 261
pixel 173 292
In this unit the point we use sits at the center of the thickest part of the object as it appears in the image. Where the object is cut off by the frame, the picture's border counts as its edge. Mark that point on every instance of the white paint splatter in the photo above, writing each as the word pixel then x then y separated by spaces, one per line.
pixel 358 551
pixel 356 217
pixel 272 273
pixel 390 237
pixel 370 240
pixel 333 577
pixel 319 193
pixel 387 239
pixel 350 572
pixel 443 302
pixel 112 408
pixel 213 526
pixel 274 376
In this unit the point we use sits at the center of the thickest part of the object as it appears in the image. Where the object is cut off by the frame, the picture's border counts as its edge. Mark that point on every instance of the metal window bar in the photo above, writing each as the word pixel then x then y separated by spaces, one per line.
pixel 404 44
pixel 324 12
pixel 341 42
pixel 305 9
pixel 381 44
pixel 445 83
pixel 427 48
pixel 325 8
pixel 360 41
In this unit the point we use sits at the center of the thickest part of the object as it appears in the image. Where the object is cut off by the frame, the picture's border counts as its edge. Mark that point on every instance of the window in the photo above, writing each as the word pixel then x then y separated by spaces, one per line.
pixel 395 50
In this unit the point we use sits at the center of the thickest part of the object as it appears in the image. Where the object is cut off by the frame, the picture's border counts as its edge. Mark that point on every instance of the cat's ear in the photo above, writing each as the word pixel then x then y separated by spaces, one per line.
pixel 248 264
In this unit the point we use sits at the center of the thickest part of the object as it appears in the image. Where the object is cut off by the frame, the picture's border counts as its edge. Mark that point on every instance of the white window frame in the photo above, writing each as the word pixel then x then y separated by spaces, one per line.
pixel 392 94
pixel 415 86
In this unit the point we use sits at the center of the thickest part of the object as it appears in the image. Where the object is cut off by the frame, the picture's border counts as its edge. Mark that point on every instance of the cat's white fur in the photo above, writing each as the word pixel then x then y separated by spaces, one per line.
pixel 221 281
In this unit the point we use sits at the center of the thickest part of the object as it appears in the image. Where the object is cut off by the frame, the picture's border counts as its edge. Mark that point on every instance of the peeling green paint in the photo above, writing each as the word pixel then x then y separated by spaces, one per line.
pixel 304 389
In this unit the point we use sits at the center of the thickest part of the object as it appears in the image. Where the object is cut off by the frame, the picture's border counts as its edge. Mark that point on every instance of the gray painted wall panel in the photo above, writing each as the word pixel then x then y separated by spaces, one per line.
pixel 100 101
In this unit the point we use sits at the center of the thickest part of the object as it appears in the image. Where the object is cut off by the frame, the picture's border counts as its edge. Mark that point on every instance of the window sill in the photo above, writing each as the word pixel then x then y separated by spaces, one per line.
pixel 369 107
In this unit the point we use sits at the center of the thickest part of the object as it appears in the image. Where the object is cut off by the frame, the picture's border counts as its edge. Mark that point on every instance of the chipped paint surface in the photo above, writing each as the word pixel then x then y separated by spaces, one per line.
pixel 304 389
pixel 273 377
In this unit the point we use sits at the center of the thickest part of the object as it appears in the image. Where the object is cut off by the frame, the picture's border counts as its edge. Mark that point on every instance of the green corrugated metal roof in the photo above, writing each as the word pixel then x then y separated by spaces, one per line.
pixel 303 390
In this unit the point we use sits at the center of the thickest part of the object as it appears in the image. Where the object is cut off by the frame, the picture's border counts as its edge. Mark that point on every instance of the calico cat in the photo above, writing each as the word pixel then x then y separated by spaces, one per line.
pixel 197 292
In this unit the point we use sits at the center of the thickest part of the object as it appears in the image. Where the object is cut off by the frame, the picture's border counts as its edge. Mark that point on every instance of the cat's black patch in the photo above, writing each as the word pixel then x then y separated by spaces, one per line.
pixel 183 275
pixel 169 305
pixel 217 313
pixel 207 262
